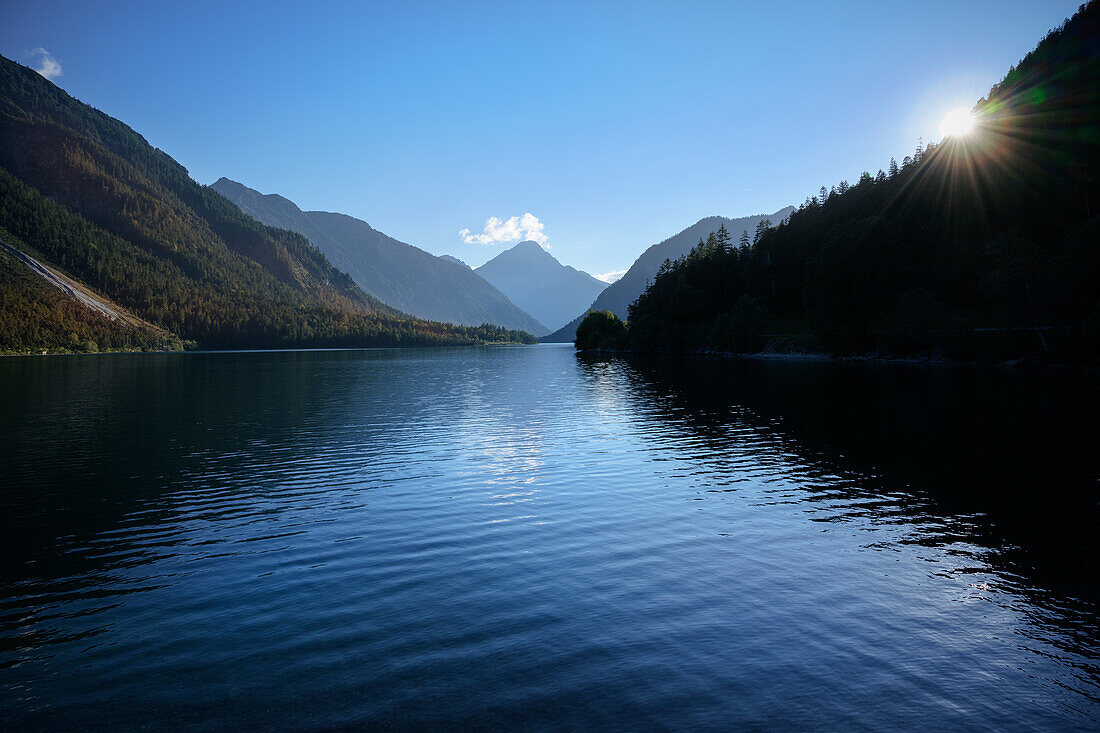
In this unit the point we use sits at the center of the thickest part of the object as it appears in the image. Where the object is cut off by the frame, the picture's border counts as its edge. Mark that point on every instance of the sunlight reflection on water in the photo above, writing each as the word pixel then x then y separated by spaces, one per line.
pixel 521 537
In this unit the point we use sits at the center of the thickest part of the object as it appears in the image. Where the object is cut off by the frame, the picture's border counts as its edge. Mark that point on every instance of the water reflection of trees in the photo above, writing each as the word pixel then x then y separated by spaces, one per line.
pixel 110 463
pixel 999 459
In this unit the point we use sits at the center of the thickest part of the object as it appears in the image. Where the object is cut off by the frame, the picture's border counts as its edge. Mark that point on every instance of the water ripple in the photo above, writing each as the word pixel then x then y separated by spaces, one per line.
pixel 518 538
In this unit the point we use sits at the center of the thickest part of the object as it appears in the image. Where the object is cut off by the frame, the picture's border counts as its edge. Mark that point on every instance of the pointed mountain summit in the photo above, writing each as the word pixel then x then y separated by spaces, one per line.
pixel 534 280
pixel 398 274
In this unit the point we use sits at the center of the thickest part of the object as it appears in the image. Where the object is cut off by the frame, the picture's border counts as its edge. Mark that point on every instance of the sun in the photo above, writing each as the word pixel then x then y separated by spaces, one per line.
pixel 957 122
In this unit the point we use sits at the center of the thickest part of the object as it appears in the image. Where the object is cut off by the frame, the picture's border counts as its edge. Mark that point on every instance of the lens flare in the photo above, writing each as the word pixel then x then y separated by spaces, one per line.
pixel 957 123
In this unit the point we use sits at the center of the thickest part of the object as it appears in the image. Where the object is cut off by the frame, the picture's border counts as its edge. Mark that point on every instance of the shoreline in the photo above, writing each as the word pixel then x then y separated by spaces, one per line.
pixel 267 350
pixel 866 359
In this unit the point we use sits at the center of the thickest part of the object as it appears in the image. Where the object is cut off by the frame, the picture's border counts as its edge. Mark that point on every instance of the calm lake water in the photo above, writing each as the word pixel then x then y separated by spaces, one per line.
pixel 528 538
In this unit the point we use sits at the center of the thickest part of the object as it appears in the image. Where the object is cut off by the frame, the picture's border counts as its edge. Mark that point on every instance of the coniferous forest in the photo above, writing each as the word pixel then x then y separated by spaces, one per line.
pixel 983 247
pixel 84 193
pixel 36 316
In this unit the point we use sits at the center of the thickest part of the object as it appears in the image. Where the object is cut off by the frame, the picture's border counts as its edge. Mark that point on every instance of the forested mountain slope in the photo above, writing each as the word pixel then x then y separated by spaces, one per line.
pixel 89 196
pixel 38 315
pixel 618 296
pixel 985 246
pixel 398 274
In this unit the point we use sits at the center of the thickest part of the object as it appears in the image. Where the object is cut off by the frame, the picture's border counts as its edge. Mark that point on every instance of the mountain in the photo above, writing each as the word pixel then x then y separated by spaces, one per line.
pixel 455 260
pixel 85 195
pixel 396 273
pixel 538 283
pixel 624 291
pixel 985 246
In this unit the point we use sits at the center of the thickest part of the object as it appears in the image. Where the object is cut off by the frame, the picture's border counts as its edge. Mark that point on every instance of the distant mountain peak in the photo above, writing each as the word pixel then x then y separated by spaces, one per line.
pixel 535 281
pixel 530 245
pixel 527 248
pixel 399 274
pixel 249 200
pixel 618 296
pixel 455 260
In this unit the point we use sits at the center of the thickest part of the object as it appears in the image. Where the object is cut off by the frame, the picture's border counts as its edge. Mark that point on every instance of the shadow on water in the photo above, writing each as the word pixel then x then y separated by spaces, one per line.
pixel 1007 459
pixel 90 439
pixel 102 452
pixel 83 453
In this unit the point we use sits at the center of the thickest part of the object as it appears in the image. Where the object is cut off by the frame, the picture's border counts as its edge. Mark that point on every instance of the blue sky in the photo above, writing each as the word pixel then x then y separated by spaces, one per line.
pixel 616 125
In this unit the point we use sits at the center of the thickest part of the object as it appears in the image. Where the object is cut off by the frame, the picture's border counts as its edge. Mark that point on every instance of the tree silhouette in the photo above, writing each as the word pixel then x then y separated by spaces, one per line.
pixel 981 247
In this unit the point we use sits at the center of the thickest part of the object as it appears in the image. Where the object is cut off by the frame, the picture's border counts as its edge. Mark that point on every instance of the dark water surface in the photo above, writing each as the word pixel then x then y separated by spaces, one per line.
pixel 525 538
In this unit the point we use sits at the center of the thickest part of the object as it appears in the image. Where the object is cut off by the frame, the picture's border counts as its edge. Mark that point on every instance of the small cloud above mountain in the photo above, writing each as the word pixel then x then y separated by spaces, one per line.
pixel 44 63
pixel 610 277
pixel 506 231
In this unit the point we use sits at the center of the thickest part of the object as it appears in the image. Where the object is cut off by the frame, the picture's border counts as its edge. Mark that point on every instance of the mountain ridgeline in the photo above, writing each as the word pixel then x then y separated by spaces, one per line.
pixel 618 296
pixel 83 193
pixel 534 280
pixel 400 275
pixel 983 247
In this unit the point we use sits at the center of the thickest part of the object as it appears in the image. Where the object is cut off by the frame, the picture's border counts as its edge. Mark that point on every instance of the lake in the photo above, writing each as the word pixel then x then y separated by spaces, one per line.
pixel 524 537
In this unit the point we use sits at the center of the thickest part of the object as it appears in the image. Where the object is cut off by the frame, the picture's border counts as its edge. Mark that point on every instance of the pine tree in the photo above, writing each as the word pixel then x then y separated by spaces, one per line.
pixel 698 250
pixel 723 238
pixel 762 226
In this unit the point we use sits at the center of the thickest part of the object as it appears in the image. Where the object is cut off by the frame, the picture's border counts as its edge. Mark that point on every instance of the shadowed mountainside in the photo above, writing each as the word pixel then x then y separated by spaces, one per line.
pixel 618 296
pixel 398 274
pixel 983 247
pixel 84 194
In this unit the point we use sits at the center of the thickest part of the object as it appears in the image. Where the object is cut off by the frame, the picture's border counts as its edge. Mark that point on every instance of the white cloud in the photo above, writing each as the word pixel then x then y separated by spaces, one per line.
pixel 501 231
pixel 610 277
pixel 44 63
